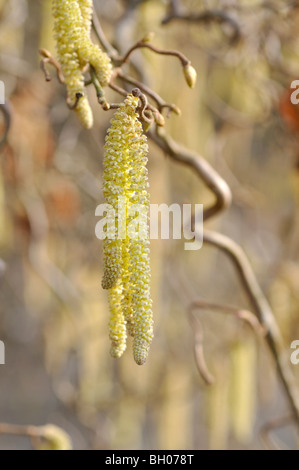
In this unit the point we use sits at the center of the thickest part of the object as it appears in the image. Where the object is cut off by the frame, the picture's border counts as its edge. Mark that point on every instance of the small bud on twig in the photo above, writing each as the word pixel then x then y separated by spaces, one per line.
pixel 190 75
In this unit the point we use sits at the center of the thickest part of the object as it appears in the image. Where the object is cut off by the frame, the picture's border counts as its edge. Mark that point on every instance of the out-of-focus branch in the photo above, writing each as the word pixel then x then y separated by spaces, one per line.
pixel 55 437
pixel 201 167
pixel 40 262
pixel 206 17
pixel 6 112
pixel 97 27
pixel 244 315
pixel 260 304
pixel 263 312
pixel 19 430
pixel 146 45
pixel 161 104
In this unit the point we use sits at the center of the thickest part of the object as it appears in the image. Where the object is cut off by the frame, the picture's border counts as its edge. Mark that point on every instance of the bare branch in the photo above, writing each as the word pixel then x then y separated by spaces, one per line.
pixel 145 45
pixel 207 17
pixel 263 312
pixel 48 59
pixel 201 167
pixel 97 27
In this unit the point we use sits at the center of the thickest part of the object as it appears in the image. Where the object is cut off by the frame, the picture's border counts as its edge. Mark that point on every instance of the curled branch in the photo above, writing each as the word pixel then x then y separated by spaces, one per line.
pixel 244 315
pixel 146 45
pixel 161 104
pixel 201 167
pixel 263 312
pixel 48 59
pixel 206 17
pixel 260 304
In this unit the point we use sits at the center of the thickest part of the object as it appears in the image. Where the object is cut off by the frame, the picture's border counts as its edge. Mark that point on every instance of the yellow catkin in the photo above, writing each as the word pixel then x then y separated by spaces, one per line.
pixel 91 54
pixel 67 26
pixel 72 24
pixel 125 176
pixel 86 8
pixel 116 174
pixel 127 291
pixel 139 251
pixel 117 324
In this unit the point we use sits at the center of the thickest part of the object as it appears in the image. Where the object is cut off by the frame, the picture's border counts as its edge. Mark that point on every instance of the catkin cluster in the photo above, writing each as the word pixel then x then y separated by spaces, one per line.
pixel 76 52
pixel 126 257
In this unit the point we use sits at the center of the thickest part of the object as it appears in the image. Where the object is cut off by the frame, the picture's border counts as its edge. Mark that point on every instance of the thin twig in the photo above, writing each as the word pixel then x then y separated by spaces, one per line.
pixel 48 59
pixel 19 430
pixel 145 45
pixel 97 27
pixel 201 167
pixel 237 256
pixel 199 355
pixel 244 315
pixel 207 17
pixel 263 312
pixel 241 314
pixel 99 90
pixel 152 94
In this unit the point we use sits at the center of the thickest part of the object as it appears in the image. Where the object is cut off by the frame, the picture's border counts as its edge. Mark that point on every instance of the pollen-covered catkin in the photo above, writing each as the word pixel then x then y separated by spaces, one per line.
pixel 86 8
pixel 117 324
pixel 127 260
pixel 72 26
pixel 127 288
pixel 139 250
pixel 67 27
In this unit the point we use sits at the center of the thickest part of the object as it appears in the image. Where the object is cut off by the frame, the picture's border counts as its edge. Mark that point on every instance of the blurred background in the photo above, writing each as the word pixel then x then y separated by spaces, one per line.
pixel 53 312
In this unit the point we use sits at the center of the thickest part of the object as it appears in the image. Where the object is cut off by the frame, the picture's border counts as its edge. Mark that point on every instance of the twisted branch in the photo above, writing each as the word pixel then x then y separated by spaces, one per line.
pixel 258 301
pixel 210 16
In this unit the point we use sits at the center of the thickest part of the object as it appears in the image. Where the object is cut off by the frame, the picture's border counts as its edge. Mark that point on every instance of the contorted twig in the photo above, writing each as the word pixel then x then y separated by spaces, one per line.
pixel 260 304
pixel 113 54
pixel 244 315
pixel 48 59
pixel 161 104
pixel 201 167
pixel 144 44
pixel 206 17
pixel 262 310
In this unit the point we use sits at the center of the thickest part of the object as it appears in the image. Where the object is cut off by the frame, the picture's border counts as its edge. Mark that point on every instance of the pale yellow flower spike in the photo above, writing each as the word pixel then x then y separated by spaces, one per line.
pixel 86 8
pixel 127 288
pixel 117 325
pixel 91 54
pixel 76 51
pixel 116 168
pixel 139 250
pixel 67 28
pixel 125 176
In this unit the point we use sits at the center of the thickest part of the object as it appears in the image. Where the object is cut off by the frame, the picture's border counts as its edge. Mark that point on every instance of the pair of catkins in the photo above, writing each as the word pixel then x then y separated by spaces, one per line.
pixel 127 263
